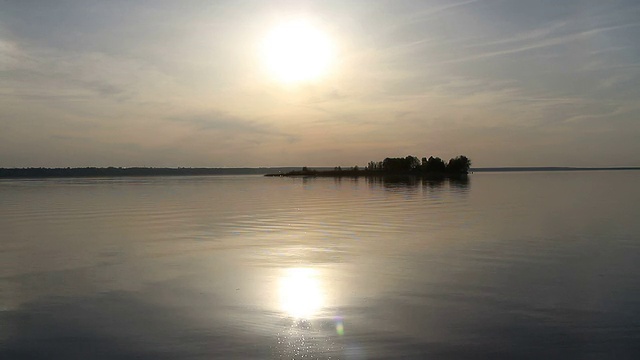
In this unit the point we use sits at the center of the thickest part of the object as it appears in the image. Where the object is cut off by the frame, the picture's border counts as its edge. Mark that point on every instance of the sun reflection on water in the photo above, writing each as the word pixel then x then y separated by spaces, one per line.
pixel 301 293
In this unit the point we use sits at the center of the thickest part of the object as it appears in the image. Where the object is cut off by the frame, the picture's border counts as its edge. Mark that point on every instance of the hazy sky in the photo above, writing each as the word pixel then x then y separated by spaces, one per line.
pixel 184 83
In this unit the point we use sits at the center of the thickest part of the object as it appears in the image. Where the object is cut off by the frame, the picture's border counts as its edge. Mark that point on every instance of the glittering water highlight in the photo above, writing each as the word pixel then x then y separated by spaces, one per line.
pixel 301 292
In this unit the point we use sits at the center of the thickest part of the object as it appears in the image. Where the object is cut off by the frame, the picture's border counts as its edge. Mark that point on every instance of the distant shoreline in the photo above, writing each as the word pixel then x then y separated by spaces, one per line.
pixel 552 168
pixel 37 173
pixel 86 172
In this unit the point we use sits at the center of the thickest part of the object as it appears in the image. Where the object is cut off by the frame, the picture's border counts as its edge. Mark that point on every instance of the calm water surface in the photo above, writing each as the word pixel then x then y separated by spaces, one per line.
pixel 506 265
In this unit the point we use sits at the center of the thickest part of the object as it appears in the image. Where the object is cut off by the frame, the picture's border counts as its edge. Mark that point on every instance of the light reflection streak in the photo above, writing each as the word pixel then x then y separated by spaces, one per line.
pixel 308 332
pixel 301 294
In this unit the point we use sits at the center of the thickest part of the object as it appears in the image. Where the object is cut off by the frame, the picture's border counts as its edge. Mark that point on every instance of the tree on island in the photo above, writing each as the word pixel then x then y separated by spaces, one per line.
pixel 459 165
pixel 410 165
pixel 374 166
pixel 400 165
pixel 433 164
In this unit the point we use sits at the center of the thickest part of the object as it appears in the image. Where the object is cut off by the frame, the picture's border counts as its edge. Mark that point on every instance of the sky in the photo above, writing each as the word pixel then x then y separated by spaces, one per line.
pixel 185 83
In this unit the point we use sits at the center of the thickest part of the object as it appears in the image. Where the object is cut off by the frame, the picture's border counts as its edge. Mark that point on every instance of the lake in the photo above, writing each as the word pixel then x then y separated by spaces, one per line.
pixel 506 265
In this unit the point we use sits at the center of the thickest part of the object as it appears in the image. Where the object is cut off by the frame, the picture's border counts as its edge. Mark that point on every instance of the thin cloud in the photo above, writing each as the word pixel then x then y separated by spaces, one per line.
pixel 543 43
pixel 223 122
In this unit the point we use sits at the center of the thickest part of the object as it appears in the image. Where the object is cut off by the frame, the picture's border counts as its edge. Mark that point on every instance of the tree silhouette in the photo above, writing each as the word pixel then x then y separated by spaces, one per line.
pixel 400 165
pixel 459 165
pixel 433 164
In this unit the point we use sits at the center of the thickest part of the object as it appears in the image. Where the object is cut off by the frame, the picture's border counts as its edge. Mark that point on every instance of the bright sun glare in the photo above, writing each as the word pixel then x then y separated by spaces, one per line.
pixel 300 293
pixel 297 51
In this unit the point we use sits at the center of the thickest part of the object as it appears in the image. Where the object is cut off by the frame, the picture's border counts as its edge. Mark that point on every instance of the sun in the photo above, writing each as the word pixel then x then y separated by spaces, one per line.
pixel 297 51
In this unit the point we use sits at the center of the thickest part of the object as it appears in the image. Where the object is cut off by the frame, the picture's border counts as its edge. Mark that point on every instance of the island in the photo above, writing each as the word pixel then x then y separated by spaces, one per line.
pixel 432 168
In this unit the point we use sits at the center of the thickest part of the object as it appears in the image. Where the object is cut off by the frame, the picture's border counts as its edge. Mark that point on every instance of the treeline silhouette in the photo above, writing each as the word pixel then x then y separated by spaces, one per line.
pixel 132 171
pixel 411 165
pixel 433 167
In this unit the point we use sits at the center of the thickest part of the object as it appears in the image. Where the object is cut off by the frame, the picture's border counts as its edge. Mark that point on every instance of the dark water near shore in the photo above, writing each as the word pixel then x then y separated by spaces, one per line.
pixel 507 265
